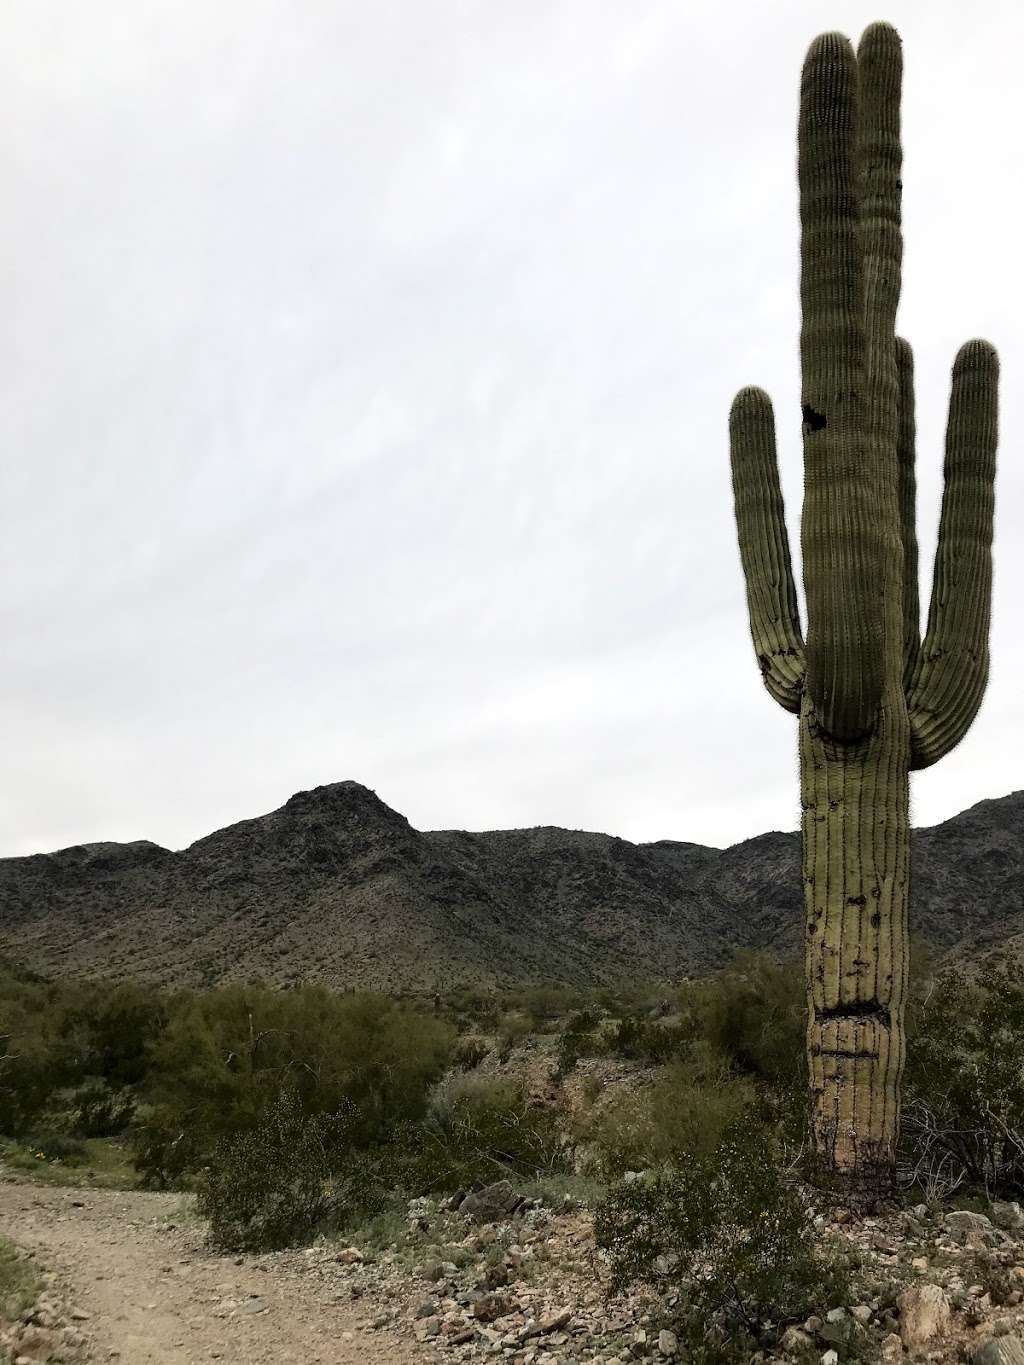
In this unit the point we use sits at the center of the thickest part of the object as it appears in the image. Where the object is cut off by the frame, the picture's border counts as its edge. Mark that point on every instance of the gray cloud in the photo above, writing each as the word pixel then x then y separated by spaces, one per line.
pixel 365 388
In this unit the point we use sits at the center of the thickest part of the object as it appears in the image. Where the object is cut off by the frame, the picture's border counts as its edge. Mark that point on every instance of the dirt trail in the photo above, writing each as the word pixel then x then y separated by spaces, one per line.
pixel 155 1296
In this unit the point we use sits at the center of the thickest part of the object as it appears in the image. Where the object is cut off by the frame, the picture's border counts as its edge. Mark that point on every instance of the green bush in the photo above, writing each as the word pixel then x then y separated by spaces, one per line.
pixel 726 1231
pixel 683 1114
pixel 963 1114
pixel 272 1185
pixel 639 1037
pixel 97 1110
pixel 478 1130
pixel 754 1012
pixel 577 1038
pixel 226 1055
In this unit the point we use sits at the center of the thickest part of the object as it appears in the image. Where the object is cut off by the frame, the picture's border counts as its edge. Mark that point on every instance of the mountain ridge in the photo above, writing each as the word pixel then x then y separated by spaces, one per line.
pixel 336 886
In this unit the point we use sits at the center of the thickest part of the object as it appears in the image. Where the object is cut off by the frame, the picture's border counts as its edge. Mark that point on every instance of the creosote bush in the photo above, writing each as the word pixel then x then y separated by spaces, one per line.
pixel 726 1229
pixel 272 1184
pixel 964 1086
pixel 683 1114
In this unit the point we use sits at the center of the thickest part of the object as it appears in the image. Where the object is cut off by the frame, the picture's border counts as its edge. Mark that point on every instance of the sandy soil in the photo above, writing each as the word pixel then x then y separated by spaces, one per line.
pixel 155 1296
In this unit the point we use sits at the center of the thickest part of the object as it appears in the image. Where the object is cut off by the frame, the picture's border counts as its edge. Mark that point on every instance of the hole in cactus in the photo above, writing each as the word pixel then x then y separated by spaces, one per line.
pixel 814 421
pixel 855 1009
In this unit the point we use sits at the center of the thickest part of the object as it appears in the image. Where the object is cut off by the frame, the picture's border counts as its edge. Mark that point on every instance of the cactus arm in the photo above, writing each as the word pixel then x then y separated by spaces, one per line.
pixel 840 533
pixel 764 547
pixel 906 439
pixel 952 668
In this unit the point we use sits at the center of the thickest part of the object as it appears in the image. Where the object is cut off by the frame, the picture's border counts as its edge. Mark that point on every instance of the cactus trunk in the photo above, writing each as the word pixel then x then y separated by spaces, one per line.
pixel 856 870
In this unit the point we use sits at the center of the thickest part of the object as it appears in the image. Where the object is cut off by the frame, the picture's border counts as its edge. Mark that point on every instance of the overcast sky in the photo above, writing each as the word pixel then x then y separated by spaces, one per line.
pixel 365 377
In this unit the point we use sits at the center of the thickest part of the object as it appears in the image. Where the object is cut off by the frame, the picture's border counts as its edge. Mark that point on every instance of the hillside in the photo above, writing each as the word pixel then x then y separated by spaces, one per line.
pixel 335 886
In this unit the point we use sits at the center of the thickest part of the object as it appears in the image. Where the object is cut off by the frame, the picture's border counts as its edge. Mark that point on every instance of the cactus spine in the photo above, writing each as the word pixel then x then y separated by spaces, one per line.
pixel 874 701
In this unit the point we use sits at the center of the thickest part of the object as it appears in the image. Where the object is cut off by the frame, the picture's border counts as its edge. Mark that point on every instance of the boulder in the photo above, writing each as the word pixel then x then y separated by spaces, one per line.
pixel 924 1315
pixel 1007 1215
pixel 1008 1350
pixel 493 1204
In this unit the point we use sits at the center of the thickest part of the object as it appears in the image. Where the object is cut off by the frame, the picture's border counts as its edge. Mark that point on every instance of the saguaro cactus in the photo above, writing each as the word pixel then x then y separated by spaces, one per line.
pixel 874 700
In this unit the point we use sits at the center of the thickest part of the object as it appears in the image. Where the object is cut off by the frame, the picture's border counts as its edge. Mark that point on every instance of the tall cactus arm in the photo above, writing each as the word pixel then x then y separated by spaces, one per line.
pixel 880 163
pixel 952 667
pixel 906 440
pixel 841 537
pixel 764 547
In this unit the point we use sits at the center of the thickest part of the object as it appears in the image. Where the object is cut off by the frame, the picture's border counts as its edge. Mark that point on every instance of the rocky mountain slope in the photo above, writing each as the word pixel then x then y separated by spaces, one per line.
pixel 335 886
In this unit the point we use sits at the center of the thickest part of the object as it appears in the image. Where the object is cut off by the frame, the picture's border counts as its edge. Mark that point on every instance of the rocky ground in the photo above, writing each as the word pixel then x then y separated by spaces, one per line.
pixel 128 1277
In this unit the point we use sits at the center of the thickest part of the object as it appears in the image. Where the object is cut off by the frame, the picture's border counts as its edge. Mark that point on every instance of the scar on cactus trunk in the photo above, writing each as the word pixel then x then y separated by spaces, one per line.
pixel 874 701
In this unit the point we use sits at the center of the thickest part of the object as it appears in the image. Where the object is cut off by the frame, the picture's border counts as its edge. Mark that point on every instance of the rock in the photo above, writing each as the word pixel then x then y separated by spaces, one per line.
pixel 891 1350
pixel 555 1321
pixel 37 1343
pixel 349 1256
pixel 924 1315
pixel 795 1341
pixel 426 1309
pixel 254 1305
pixel 493 1204
pixel 463 1338
pixel 861 1312
pixel 1007 1215
pixel 813 1324
pixel 963 1220
pixel 668 1343
pixel 830 1358
pixel 79 1315
pixel 429 1327
pixel 1000 1351
pixel 490 1307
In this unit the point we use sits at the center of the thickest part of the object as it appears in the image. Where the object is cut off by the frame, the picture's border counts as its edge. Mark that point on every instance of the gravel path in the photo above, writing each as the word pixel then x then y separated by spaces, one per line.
pixel 145 1291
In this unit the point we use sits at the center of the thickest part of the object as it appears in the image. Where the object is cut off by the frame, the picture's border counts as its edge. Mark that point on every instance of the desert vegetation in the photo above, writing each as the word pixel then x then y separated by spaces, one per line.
pixel 678 1116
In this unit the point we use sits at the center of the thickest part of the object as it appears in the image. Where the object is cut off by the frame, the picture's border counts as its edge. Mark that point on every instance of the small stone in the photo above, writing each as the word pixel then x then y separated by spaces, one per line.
pixel 861 1312
pixel 254 1305
pixel 668 1343
pixel 830 1358
pixel 556 1321
pixel 920 1264
pixel 891 1350
pixel 795 1341
pixel 426 1309
pixel 79 1315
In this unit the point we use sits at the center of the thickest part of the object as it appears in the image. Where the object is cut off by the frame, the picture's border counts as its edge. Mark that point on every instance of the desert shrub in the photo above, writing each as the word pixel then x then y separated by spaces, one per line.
pixel 98 1110
pixel 226 1055
pixel 964 1084
pixel 271 1185
pixel 641 1038
pixel 477 1130
pixel 726 1229
pixel 577 1038
pixel 107 1031
pixel 469 1053
pixel 512 1029
pixel 682 1115
pixel 754 1012
pixel 51 1146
